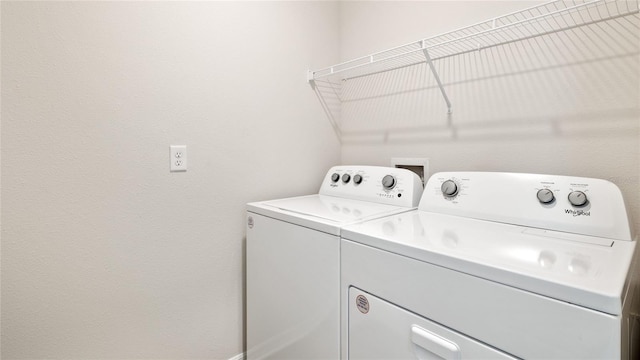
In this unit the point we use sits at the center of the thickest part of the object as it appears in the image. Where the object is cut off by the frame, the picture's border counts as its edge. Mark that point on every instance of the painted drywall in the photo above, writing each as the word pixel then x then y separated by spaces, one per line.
pixel 511 110
pixel 105 253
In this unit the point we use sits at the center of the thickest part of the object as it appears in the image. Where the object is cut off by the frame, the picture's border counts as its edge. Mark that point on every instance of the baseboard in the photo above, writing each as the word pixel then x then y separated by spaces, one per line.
pixel 240 356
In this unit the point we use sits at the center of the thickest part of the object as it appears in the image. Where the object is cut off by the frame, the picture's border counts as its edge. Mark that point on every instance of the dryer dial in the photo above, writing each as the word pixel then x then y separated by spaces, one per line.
pixel 388 182
pixel 578 198
pixel 545 196
pixel 449 188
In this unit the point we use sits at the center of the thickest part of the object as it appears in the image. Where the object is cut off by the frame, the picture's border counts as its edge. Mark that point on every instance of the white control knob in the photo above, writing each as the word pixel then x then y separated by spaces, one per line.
pixel 449 188
pixel 388 182
pixel 578 198
pixel 545 196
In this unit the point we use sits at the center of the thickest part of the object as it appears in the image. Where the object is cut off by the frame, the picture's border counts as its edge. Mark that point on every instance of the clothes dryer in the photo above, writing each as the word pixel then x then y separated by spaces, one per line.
pixel 293 258
pixel 495 265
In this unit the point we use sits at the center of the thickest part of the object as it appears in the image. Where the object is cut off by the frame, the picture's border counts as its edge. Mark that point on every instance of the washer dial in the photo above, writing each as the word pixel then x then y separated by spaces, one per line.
pixel 578 198
pixel 335 177
pixel 449 188
pixel 545 196
pixel 357 179
pixel 346 178
pixel 388 182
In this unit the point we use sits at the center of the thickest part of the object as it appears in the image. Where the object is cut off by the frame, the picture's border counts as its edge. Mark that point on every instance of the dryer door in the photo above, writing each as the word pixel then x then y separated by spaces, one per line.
pixel 381 330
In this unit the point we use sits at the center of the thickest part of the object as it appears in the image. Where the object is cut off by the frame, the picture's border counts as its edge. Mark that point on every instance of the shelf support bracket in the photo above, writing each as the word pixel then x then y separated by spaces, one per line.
pixel 325 106
pixel 310 79
pixel 436 76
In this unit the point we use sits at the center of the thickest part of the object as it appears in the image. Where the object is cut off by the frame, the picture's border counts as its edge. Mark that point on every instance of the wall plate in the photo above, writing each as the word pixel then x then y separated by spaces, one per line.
pixel 419 166
pixel 178 158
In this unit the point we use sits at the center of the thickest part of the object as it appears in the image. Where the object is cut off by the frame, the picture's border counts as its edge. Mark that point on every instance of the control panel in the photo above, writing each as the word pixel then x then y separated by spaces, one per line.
pixel 378 184
pixel 577 205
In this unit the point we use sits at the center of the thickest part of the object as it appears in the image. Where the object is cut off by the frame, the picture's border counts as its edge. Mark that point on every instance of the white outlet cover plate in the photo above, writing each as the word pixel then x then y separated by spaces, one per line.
pixel 178 158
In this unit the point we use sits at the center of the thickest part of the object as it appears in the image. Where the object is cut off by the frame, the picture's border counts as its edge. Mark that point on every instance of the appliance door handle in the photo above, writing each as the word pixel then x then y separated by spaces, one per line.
pixel 434 343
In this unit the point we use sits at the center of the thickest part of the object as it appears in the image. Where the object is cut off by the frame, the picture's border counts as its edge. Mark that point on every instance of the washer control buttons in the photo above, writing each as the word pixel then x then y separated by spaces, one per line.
pixel 346 178
pixel 357 179
pixel 449 188
pixel 545 196
pixel 388 182
pixel 335 177
pixel 578 198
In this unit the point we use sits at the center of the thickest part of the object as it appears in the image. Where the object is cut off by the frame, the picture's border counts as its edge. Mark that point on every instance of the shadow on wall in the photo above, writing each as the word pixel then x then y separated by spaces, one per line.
pixel 612 123
pixel 581 82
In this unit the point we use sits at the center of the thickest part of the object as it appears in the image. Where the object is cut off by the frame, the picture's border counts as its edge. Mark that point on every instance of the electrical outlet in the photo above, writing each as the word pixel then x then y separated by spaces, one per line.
pixel 178 158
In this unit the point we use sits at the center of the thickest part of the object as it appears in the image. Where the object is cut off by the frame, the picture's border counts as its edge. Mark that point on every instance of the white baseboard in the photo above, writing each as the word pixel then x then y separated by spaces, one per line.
pixel 240 356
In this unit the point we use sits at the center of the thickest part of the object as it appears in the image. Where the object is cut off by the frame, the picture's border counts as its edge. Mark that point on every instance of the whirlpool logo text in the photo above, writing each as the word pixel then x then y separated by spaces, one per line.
pixel 577 212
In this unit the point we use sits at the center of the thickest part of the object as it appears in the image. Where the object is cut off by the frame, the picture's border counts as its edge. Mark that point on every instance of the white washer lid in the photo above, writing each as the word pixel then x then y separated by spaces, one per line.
pixel 324 213
pixel 588 271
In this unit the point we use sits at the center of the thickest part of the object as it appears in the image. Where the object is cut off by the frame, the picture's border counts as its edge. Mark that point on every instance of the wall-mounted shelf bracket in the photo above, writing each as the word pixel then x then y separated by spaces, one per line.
pixel 327 110
pixel 310 79
pixel 435 75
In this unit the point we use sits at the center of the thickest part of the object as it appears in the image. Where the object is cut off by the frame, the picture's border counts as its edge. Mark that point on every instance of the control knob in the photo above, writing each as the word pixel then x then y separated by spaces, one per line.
pixel 545 196
pixel 388 182
pixel 578 198
pixel 335 177
pixel 449 188
pixel 346 178
pixel 357 179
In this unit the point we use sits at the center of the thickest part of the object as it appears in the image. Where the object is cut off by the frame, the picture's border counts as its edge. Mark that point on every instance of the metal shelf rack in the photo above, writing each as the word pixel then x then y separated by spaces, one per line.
pixel 534 22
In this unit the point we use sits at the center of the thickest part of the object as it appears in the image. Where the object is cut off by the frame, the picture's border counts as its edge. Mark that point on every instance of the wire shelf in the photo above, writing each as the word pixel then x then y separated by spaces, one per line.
pixel 545 19
pixel 587 44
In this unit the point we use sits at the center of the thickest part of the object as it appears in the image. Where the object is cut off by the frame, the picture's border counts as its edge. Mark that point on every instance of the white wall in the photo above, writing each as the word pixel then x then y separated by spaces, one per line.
pixel 105 254
pixel 580 120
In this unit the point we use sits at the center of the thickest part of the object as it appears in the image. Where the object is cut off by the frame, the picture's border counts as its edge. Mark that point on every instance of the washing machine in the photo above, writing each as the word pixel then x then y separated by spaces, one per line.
pixel 494 265
pixel 293 258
